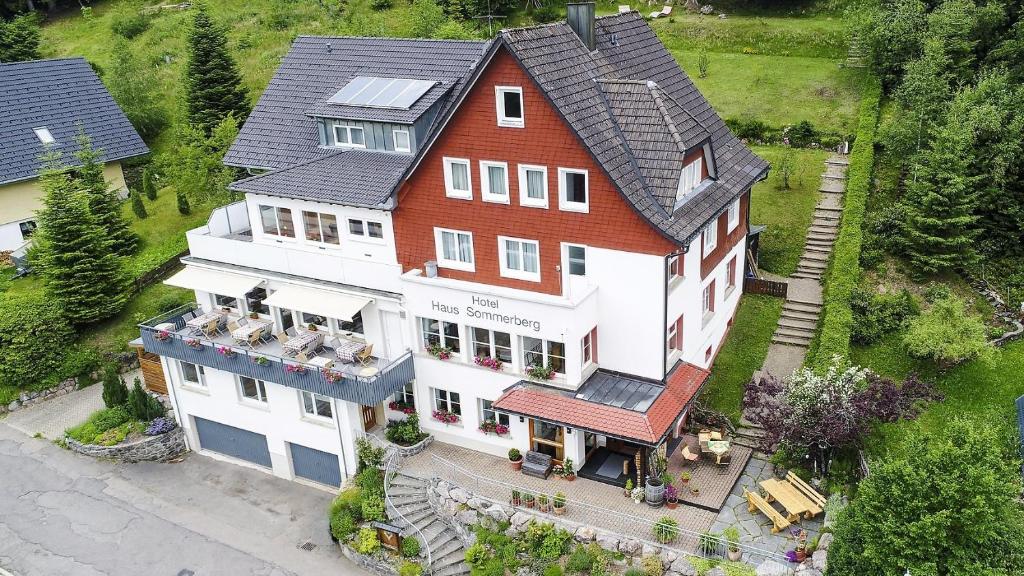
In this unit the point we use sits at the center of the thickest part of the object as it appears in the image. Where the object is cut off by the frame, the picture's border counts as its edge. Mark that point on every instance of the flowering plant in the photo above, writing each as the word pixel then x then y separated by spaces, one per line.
pixel 488 362
pixel 403 407
pixel 295 368
pixel 445 416
pixel 160 425
pixel 332 376
pixel 225 351
pixel 162 335
pixel 438 351
pixel 194 343
pixel 492 427
pixel 671 493
pixel 538 372
pixel 261 360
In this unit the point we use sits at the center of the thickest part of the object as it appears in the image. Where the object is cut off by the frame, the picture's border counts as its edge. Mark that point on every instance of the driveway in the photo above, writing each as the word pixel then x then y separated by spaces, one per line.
pixel 63 513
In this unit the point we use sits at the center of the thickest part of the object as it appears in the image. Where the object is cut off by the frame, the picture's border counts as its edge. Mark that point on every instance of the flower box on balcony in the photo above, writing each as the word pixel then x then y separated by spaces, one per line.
pixel 193 343
pixel 492 427
pixel 538 372
pixel 489 362
pixel 332 376
pixel 226 352
pixel 261 360
pixel 445 416
pixel 162 335
pixel 295 368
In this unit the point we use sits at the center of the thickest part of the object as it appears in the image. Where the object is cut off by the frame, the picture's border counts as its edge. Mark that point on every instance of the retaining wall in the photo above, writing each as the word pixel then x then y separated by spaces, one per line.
pixel 148 448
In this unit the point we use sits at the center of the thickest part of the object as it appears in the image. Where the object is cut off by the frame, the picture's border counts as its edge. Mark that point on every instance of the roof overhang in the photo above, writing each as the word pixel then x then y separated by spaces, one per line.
pixel 213 281
pixel 321 302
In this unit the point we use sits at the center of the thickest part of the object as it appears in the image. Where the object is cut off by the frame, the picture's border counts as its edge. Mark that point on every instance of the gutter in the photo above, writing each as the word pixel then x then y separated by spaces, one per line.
pixel 664 305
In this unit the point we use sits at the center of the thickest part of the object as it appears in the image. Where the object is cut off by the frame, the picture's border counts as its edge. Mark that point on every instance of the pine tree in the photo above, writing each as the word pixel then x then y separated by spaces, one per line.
pixel 19 39
pixel 941 224
pixel 103 201
pixel 79 267
pixel 183 208
pixel 137 206
pixel 148 186
pixel 115 393
pixel 143 406
pixel 213 83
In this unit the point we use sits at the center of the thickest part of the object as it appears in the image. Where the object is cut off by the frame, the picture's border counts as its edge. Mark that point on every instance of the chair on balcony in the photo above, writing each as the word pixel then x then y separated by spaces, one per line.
pixel 282 337
pixel 188 316
pixel 212 328
pixel 365 356
pixel 292 332
pixel 301 357
pixel 255 339
pixel 233 325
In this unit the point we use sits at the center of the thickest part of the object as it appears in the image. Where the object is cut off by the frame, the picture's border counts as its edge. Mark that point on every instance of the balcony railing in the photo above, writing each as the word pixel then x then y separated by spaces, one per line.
pixel 179 344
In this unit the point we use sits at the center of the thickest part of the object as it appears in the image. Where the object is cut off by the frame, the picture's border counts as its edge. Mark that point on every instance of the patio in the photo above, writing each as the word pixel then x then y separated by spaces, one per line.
pixel 714 483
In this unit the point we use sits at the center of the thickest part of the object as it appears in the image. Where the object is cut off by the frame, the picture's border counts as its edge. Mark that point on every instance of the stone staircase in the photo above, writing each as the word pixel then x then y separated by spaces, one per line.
pixel 797 323
pixel 408 495
pixel 855 55
pixel 749 434
pixel 825 226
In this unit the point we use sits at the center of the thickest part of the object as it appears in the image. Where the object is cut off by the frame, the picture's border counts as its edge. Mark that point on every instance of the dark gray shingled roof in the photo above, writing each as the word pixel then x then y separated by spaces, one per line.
pixel 278 132
pixel 66 96
pixel 351 177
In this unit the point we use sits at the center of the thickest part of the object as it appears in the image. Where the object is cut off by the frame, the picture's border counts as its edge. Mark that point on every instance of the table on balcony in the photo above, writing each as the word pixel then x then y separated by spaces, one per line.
pixel 347 349
pixel 243 333
pixel 200 322
pixel 303 342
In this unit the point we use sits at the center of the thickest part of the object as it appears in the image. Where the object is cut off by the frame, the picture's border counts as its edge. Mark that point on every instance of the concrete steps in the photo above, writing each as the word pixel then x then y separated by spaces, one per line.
pixel 409 507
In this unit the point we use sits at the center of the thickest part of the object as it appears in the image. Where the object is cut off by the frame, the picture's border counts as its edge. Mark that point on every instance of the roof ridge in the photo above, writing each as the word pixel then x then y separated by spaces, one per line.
pixel 57 59
pixel 391 39
pixel 660 103
pixel 683 108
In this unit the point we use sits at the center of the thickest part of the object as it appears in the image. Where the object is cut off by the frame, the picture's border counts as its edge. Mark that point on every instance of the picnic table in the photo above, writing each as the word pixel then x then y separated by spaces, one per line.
pixel 200 322
pixel 303 342
pixel 795 503
pixel 347 350
pixel 243 333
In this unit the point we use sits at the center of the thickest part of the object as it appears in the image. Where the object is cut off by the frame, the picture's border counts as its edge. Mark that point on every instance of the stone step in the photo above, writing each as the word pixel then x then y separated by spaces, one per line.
pixel 832 187
pixel 751 433
pixel 798 324
pixel 821 237
pixel 798 315
pixel 818 249
pixel 826 216
pixel 455 570
pixel 829 175
pixel 796 332
pixel 820 243
pixel 746 442
pixel 812 264
pixel 790 341
pixel 823 229
pixel 801 305
pixel 406 480
pixel 748 424
pixel 805 275
pixel 403 497
pixel 837 161
pixel 829 209
pixel 448 554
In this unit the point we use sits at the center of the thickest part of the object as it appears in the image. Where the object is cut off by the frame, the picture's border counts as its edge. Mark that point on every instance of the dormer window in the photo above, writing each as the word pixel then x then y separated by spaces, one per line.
pixel 510 106
pixel 349 136
pixel 690 178
pixel 402 143
pixel 43 133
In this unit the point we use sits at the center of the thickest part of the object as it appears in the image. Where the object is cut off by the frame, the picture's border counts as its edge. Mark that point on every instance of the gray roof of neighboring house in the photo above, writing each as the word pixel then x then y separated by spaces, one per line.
pixel 353 177
pixel 279 132
pixel 64 95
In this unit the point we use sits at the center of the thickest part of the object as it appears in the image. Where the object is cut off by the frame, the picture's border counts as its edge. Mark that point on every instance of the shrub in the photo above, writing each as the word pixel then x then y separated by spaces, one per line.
pixel 477 555
pixel 410 547
pixel 137 206
pixel 546 14
pixel 343 525
pixel 141 405
pixel 373 508
pixel 148 186
pixel 405 432
pixel 703 62
pixel 651 566
pixel 370 483
pixel 947 334
pixel 183 206
pixel 410 569
pixel 633 572
pixel 109 418
pixel 875 315
pixel 666 530
pixel 129 25
pixel 749 128
pixel 553 570
pixel 545 541
pixel 802 135
pixel 115 393
pixel 514 454
pixel 33 337
pixel 709 542
pixel 160 425
pixel 600 565
pixel 366 541
pixel 580 561
pixel 368 455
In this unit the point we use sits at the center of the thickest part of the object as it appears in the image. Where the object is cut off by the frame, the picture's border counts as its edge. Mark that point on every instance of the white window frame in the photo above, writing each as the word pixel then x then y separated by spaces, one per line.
pixel 276 233
pixel 364 226
pixel 507 272
pixel 568 259
pixel 499 99
pixel 435 401
pixel 320 228
pixel 408 140
pixel 407 395
pixel 492 343
pixel 313 399
pixel 563 202
pixel 524 186
pixel 545 352
pixel 676 261
pixel 673 333
pixel 498 415
pixel 454 264
pixel 731 273
pixel 587 348
pixel 449 189
pixel 199 373
pixel 707 300
pixel 348 131
pixel 261 391
pixel 485 182
pixel 734 215
pixel 443 338
pixel 690 178
pixel 44 135
pixel 710 237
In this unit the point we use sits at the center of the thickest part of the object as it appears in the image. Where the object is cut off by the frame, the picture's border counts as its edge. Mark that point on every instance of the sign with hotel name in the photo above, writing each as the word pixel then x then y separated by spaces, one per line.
pixel 486 309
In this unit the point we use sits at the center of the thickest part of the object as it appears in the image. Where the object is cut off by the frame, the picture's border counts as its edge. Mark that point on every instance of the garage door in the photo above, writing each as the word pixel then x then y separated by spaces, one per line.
pixel 234 442
pixel 315 465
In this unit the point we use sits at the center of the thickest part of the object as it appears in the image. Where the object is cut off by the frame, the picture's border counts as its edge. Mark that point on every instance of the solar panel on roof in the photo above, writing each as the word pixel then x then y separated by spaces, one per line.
pixel 374 92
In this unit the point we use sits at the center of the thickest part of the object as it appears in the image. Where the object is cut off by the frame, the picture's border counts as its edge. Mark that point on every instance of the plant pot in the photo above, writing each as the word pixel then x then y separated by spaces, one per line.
pixel 671 504
pixel 517 501
pixel 570 477
pixel 801 555
pixel 735 555
pixel 695 491
pixel 517 465
pixel 559 510
pixel 530 503
pixel 654 493
pixel 545 508
pixel 625 492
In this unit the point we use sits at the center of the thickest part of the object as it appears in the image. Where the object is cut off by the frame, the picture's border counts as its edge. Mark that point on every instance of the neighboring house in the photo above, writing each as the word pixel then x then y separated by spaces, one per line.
pixel 554 200
pixel 44 105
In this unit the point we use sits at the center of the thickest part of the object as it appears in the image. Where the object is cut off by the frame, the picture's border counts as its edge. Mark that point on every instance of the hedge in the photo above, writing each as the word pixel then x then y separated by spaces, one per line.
pixel 843 273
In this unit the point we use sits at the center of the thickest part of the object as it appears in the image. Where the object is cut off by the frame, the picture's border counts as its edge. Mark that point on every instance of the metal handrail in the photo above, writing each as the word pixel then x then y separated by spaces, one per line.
pixel 628 520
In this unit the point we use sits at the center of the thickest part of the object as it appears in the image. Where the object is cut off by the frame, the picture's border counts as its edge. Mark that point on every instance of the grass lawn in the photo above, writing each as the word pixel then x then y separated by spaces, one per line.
pixel 822 36
pixel 114 334
pixel 787 213
pixel 163 232
pixel 743 353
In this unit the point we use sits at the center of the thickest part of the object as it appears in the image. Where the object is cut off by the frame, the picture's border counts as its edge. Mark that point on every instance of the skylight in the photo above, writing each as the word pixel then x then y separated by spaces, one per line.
pixel 43 133
pixel 373 92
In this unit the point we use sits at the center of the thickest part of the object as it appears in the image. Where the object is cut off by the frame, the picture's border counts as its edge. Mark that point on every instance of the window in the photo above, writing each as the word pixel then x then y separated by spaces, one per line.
pixel 519 258
pixel 454 249
pixel 402 143
pixel 730 274
pixel 489 414
pixel 192 374
pixel 533 186
pixel 689 179
pixel 447 401
pixel 43 133
pixel 321 227
pixel 734 215
pixel 27 228
pixel 287 319
pixel 707 354
pixel 457 181
pixel 315 319
pixel 225 301
pixel 675 336
pixel 493 344
pixel 253 389
pixel 710 237
pixel 589 345
pixel 573 194
pixel 365 228
pixel 537 352
pixel 316 405
pixel 510 106
pixel 349 136
pixel 675 268
pixel 577 256
pixel 440 333
pixel 354 326
pixel 494 181
pixel 277 221
pixel 405 395
pixel 254 301
pixel 708 300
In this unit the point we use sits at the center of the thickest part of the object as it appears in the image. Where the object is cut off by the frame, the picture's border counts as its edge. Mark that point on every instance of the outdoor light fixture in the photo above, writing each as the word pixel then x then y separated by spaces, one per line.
pixel 521 419
pixel 568 430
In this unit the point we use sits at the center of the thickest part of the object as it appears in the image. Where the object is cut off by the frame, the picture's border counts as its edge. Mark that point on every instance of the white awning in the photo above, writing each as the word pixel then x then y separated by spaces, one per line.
pixel 214 281
pixel 319 302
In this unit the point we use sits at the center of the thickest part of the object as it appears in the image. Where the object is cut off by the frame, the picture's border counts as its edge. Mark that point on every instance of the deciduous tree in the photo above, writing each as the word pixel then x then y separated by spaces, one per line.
pixel 133 88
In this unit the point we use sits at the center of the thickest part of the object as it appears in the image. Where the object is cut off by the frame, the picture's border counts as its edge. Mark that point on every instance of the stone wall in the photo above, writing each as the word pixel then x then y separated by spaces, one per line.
pixel 148 448
pixel 126 361
pixel 375 565
pixel 415 448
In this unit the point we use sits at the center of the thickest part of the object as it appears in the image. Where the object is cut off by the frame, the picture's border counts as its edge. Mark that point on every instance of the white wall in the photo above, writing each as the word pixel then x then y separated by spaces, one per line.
pixel 10 236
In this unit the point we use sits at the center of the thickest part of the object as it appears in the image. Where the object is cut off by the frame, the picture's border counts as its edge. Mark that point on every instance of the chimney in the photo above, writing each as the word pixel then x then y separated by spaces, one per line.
pixel 581 20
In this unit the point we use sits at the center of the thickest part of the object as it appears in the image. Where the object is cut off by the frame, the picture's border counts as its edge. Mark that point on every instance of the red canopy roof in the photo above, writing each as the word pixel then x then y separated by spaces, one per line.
pixel 645 427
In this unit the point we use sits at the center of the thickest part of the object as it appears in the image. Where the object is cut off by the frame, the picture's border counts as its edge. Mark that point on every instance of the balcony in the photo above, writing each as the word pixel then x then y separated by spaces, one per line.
pixel 228 238
pixel 167 335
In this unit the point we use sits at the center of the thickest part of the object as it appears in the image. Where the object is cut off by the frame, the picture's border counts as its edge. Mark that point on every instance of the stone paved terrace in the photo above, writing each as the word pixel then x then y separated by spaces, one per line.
pixel 52 417
pixel 714 483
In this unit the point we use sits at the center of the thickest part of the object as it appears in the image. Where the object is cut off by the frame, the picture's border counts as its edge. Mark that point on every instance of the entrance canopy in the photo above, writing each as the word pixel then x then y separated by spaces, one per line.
pixel 214 281
pixel 320 302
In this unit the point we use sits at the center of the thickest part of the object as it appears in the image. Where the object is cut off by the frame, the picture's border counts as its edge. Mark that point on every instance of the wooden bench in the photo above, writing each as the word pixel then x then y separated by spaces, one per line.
pixel 537 464
pixel 806 489
pixel 756 502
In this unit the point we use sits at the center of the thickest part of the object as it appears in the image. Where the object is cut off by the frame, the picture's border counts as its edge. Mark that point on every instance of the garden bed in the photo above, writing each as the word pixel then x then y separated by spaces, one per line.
pixel 136 447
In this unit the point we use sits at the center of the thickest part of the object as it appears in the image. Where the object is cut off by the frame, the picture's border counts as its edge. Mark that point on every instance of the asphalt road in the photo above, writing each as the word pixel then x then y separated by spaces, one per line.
pixel 65 514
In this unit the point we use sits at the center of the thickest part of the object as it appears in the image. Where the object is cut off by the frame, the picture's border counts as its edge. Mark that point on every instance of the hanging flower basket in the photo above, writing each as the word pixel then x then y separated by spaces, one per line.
pixel 226 352
pixel 439 352
pixel 445 416
pixel 193 343
pixel 162 335
pixel 488 362
pixel 295 368
pixel 332 376
pixel 261 360
pixel 403 407
pixel 538 372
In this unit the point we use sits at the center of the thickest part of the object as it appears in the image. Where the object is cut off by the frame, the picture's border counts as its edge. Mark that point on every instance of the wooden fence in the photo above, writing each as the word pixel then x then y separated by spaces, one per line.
pixel 762 286
pixel 157 273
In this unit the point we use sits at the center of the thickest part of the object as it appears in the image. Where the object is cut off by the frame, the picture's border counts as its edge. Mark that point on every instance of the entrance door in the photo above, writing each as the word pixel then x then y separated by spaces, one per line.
pixel 547 438
pixel 369 418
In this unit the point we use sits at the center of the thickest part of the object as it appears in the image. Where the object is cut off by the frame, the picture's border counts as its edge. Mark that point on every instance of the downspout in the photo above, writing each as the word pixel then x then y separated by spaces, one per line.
pixel 664 306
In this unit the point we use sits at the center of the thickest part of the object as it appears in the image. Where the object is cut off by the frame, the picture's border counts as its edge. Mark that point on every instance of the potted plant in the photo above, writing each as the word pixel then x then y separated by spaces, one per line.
pixel 517 498
pixel 489 362
pixel 629 488
pixel 539 372
pixel 559 503
pixel 654 490
pixel 638 494
pixel 528 499
pixel 671 497
pixel 162 335
pixel 194 343
pixel 516 458
pixel 801 546
pixel 666 530
pixel 568 470
pixel 332 376
pixel 295 368
pixel 542 503
pixel 261 360
pixel 253 315
pixel 694 490
pixel 311 327
pixel 226 352
pixel 438 351
pixel 732 540
pixel 708 543
pixel 685 477
pixel 445 417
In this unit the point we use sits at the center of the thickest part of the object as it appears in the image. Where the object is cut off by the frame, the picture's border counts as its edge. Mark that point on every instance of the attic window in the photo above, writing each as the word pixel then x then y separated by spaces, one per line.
pixel 690 178
pixel 43 133
pixel 510 106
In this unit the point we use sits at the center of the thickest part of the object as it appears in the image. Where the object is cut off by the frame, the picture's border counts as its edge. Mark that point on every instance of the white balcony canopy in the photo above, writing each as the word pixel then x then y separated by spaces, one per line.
pixel 321 302
pixel 213 281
